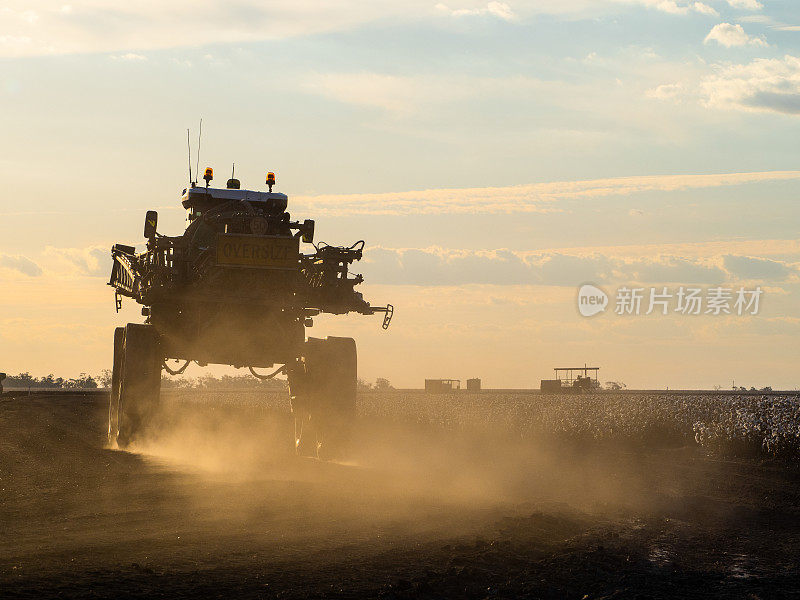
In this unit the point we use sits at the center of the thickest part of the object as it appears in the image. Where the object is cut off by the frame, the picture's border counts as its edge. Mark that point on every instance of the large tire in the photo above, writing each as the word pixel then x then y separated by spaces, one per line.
pixel 324 397
pixel 140 382
pixel 113 404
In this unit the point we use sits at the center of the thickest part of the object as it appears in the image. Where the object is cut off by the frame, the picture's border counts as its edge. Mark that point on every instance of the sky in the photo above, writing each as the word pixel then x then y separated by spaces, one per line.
pixel 493 156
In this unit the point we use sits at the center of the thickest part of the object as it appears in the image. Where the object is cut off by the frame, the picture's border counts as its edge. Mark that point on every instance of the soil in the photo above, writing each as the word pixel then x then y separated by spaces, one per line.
pixel 212 507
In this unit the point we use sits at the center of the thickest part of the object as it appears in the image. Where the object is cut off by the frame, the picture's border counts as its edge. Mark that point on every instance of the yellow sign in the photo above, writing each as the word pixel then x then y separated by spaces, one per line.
pixel 258 251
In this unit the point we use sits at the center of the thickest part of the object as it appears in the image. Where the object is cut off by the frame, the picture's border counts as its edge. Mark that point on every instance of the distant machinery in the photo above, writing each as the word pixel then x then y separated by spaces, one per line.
pixel 474 385
pixel 571 380
pixel 442 386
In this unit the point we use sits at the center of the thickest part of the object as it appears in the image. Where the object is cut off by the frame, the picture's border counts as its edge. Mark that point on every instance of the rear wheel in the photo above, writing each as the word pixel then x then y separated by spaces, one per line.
pixel 324 397
pixel 140 382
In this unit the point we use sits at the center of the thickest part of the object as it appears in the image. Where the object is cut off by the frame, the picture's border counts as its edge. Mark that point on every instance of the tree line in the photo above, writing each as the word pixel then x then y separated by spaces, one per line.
pixel 83 381
pixel 103 380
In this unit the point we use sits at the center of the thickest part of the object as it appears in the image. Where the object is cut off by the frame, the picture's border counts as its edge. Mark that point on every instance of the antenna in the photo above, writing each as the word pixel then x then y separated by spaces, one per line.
pixel 233 169
pixel 189 146
pixel 199 137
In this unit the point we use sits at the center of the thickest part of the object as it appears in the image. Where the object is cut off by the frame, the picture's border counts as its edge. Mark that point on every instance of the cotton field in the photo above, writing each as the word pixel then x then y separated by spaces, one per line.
pixel 768 424
pixel 743 424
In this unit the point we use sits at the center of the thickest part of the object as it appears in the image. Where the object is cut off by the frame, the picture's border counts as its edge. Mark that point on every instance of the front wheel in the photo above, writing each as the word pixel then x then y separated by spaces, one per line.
pixel 323 394
pixel 113 403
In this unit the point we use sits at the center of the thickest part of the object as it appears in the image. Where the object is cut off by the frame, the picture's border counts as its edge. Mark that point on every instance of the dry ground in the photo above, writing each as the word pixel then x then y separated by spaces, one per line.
pixel 212 507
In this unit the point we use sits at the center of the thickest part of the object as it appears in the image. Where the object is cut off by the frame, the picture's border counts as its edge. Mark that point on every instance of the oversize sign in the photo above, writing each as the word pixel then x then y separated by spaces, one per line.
pixel 258 251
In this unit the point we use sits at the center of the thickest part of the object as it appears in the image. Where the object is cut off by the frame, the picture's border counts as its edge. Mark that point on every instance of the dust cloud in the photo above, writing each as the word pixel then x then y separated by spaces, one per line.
pixel 413 476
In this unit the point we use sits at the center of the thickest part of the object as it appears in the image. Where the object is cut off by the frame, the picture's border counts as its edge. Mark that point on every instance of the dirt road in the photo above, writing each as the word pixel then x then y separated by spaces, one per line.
pixel 213 508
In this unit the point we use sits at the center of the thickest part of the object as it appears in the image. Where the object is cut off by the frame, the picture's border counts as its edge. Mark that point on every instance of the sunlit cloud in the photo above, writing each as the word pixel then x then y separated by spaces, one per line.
pixel 501 10
pixel 730 35
pixel 95 26
pixel 771 85
pixel 757 268
pixel 94 261
pixel 746 4
pixel 531 198
pixel 676 7
pixel 130 56
pixel 436 266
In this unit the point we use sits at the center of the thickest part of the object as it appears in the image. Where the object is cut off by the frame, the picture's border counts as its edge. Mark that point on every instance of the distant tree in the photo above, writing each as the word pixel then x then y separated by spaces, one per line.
pixel 23 380
pixel 82 382
pixel 363 385
pixel 225 382
pixel 383 384
pixel 615 385
pixel 49 382
pixel 105 378
pixel 176 382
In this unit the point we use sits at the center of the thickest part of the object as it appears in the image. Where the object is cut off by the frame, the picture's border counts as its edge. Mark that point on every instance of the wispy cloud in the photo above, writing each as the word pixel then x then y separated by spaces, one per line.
pixel 130 56
pixel 436 266
pixel 746 4
pixel 118 25
pixel 531 198
pixel 729 35
pixel 94 26
pixel 405 94
pixel 501 10
pixel 667 91
pixel 676 7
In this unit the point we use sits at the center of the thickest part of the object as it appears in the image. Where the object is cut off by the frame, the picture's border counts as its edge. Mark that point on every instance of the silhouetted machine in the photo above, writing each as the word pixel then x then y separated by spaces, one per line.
pixel 236 289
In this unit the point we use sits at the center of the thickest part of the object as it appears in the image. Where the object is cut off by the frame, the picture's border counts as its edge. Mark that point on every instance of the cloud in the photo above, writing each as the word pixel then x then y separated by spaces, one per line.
pixel 667 91
pixel 130 56
pixel 86 26
pixel 531 198
pixel 728 35
pixel 749 267
pixel 435 266
pixel 673 7
pixel 700 263
pixel 119 26
pixel 704 9
pixel 766 85
pixel 679 265
pixel 501 10
pixel 94 261
pixel 746 4
pixel 393 93
pixel 20 264
pixel 403 95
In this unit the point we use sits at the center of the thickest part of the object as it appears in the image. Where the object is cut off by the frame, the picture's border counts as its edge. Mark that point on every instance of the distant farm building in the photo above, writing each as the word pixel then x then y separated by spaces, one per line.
pixel 571 379
pixel 474 385
pixel 441 386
